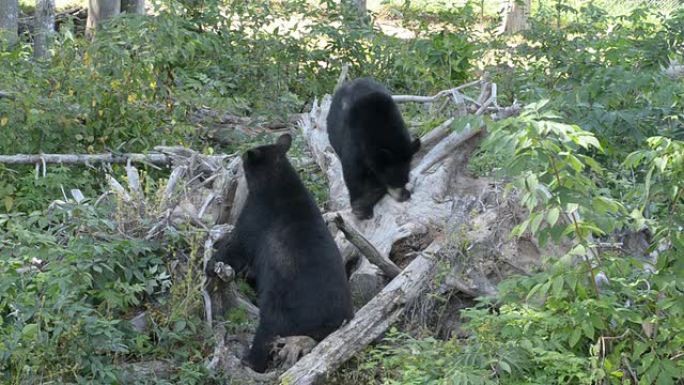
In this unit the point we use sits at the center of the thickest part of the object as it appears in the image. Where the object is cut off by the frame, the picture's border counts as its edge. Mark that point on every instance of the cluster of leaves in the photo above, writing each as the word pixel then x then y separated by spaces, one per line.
pixel 567 325
pixel 603 72
pixel 70 284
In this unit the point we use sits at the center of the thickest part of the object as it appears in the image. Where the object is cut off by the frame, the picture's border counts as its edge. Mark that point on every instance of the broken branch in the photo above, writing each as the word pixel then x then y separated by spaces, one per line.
pixel 157 159
pixel 430 99
pixel 366 248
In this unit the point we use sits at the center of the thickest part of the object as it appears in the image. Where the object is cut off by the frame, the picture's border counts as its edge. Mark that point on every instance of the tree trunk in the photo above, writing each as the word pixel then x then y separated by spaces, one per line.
pixel 99 11
pixel 9 22
pixel 515 15
pixel 44 27
pixel 359 5
pixel 133 6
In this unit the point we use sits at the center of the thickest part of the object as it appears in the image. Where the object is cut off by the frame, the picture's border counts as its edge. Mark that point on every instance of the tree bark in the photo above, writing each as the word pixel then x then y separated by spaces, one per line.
pixel 44 28
pixel 515 15
pixel 9 22
pixel 153 158
pixel 99 11
pixel 133 6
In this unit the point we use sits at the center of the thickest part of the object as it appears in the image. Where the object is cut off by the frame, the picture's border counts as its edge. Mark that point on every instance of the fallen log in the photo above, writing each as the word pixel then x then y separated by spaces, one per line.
pixel 153 158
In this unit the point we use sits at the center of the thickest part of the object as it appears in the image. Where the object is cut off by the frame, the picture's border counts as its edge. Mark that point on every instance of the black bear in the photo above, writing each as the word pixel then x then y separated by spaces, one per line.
pixel 370 138
pixel 282 239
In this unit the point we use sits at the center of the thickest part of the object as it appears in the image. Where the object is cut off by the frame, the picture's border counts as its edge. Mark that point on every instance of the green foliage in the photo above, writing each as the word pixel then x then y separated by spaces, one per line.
pixel 136 85
pixel 69 284
pixel 602 72
pixel 558 326
pixel 552 166
pixel 71 280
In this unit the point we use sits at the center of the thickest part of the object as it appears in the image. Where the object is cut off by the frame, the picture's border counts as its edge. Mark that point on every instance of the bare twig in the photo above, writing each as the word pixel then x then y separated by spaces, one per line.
pixel 158 159
pixel 435 135
pixel 343 76
pixel 366 248
pixel 7 95
pixel 430 99
pixel 445 148
pixel 216 233
pixel 118 189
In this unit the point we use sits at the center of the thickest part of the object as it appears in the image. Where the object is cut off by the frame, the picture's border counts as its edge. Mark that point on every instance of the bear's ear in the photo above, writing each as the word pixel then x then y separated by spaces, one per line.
pixel 415 145
pixel 284 142
pixel 253 155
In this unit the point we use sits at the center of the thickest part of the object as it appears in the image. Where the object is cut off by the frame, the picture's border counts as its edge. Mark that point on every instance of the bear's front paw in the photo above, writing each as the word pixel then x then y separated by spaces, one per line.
pixel 362 213
pixel 399 194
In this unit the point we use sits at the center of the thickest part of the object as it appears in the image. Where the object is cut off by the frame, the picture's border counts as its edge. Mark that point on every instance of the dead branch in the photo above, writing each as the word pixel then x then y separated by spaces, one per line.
pixel 7 95
pixel 366 248
pixel 445 148
pixel 343 76
pixel 440 94
pixel 118 189
pixel 433 137
pixel 157 159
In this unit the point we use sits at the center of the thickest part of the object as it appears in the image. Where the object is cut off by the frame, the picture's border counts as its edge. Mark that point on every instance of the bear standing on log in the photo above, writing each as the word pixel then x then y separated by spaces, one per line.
pixel 282 239
pixel 370 138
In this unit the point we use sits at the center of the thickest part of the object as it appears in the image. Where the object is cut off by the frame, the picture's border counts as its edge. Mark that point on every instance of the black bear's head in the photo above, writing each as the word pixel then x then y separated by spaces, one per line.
pixel 394 166
pixel 267 160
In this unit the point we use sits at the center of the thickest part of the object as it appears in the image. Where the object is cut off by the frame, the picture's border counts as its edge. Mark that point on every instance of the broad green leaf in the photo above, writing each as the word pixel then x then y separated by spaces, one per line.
pixel 552 216
pixel 588 330
pixel 661 162
pixel 634 159
pixel 29 331
pixel 536 220
pixel 575 336
pixel 9 203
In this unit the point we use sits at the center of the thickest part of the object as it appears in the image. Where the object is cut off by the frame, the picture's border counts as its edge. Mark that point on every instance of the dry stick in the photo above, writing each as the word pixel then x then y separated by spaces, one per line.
pixel 430 99
pixel 216 233
pixel 366 248
pixel 157 159
pixel 7 95
pixel 445 148
pixel 368 324
pixel 117 188
pixel 436 134
pixel 133 179
pixel 343 76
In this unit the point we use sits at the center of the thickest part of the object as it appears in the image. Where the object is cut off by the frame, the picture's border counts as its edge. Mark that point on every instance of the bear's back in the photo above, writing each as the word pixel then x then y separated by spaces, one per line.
pixel 296 260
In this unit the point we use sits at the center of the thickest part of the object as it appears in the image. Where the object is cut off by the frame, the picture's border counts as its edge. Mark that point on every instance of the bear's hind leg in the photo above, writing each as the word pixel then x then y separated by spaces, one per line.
pixel 257 358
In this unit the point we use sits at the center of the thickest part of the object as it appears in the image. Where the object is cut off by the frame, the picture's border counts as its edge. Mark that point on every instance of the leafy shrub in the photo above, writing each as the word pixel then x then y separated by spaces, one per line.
pixel 70 283
pixel 560 326
pixel 603 72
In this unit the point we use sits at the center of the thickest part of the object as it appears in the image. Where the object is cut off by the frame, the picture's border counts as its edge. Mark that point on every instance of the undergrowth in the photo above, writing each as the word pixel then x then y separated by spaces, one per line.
pixel 609 160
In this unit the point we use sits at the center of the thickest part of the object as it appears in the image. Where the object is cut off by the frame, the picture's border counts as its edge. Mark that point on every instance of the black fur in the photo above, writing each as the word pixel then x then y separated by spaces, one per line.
pixel 370 138
pixel 281 238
